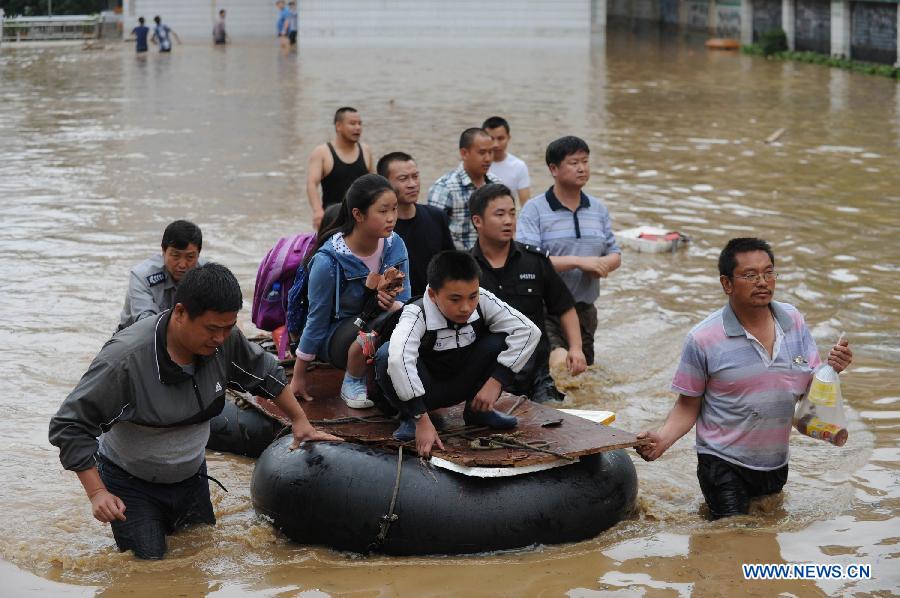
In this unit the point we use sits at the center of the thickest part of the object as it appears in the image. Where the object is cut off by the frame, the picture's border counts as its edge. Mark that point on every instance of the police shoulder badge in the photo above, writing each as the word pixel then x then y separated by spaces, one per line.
pixel 156 278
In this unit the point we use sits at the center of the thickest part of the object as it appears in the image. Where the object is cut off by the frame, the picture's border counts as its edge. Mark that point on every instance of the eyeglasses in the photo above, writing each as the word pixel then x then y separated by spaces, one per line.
pixel 754 278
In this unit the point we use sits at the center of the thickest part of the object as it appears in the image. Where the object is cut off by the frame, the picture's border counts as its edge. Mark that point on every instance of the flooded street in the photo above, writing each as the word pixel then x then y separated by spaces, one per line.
pixel 99 150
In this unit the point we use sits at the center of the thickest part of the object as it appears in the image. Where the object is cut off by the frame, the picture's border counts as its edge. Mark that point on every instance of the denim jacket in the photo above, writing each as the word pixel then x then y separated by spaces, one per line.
pixel 337 286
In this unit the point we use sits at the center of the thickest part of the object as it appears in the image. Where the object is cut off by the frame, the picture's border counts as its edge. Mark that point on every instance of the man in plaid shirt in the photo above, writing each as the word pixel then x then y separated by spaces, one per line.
pixel 451 192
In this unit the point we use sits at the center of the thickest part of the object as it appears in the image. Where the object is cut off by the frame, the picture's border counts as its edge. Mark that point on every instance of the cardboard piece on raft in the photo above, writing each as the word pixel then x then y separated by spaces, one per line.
pixel 548 428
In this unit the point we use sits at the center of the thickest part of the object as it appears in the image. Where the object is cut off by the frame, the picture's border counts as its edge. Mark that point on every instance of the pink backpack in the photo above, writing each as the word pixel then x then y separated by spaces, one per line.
pixel 276 276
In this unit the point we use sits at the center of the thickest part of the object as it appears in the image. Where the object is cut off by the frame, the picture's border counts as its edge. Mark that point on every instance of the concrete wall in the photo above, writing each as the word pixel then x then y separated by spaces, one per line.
pixel 728 18
pixel 766 16
pixel 619 8
pixel 812 32
pixel 697 14
pixel 670 11
pixel 443 23
pixel 863 30
pixel 382 22
pixel 647 10
pixel 873 31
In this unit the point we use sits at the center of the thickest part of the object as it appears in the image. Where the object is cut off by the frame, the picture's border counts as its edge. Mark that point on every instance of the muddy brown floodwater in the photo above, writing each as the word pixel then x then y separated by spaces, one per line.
pixel 100 149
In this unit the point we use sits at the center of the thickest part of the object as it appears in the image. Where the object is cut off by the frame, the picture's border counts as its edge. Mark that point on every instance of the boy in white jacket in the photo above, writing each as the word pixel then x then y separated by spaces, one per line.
pixel 457 343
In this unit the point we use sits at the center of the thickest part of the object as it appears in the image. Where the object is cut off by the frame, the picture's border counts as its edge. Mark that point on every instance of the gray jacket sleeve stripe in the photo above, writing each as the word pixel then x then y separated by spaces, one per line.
pixel 403 353
pixel 252 368
pixel 254 376
pixel 116 418
pixel 522 335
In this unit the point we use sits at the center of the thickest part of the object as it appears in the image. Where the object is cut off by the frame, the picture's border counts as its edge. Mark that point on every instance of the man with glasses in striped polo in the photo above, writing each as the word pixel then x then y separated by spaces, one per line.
pixel 742 371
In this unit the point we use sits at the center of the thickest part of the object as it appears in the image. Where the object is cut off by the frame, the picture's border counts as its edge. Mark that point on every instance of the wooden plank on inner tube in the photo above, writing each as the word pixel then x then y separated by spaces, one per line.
pixel 573 436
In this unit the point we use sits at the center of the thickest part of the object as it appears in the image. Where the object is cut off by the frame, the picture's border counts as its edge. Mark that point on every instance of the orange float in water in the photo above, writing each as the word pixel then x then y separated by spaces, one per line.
pixel 723 43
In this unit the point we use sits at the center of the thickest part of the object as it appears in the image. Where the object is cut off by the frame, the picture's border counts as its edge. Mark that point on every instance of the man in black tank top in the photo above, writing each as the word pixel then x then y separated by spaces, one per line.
pixel 337 164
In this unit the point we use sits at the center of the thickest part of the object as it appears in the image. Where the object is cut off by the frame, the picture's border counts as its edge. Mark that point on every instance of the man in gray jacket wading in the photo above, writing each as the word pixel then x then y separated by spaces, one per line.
pixel 135 427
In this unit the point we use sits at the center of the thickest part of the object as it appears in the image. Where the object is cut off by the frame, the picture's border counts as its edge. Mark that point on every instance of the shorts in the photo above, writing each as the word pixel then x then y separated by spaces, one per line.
pixel 587 320
pixel 728 488
pixel 154 511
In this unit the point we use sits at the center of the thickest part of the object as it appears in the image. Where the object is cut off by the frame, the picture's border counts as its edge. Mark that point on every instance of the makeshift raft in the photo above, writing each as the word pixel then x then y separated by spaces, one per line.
pixel 555 478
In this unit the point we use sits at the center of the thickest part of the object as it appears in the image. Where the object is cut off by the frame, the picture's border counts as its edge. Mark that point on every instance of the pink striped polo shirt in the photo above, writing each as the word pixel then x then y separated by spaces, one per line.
pixel 748 403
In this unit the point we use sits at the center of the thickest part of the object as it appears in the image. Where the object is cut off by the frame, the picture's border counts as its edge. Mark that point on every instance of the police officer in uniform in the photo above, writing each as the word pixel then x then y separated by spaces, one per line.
pixel 523 276
pixel 152 285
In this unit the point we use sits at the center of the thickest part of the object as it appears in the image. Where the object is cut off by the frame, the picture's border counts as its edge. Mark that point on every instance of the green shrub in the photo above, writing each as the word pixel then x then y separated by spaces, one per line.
pixel 772 42
pixel 869 68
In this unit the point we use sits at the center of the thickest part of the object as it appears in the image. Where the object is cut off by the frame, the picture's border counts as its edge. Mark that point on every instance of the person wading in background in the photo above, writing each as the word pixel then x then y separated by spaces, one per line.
pixel 336 164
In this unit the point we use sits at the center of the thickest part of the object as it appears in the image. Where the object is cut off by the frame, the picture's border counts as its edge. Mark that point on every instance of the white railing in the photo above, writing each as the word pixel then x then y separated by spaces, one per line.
pixel 18 29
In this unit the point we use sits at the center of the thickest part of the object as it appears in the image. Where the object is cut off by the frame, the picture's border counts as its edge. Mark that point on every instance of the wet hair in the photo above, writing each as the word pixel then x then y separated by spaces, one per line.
pixel 564 147
pixel 468 137
pixel 479 200
pixel 728 259
pixel 141 20
pixel 360 196
pixel 494 122
pixel 385 161
pixel 340 112
pixel 451 265
pixel 210 287
pixel 180 234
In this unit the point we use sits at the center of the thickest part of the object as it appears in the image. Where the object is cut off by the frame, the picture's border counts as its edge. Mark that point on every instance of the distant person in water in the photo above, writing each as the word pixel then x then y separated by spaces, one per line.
pixel 163 34
pixel 508 168
pixel 220 36
pixel 292 23
pixel 336 164
pixel 153 282
pixel 139 35
pixel 281 24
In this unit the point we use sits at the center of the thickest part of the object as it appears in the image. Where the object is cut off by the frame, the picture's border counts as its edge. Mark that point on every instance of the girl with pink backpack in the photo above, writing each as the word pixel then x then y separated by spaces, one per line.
pixel 361 242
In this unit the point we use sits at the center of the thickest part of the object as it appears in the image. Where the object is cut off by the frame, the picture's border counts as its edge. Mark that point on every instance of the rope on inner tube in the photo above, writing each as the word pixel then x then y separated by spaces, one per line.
pixel 387 519
pixel 510 441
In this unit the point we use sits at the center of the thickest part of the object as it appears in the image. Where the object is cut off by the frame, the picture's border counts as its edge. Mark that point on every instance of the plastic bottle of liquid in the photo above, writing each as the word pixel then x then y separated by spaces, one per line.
pixel 275 293
pixel 821 412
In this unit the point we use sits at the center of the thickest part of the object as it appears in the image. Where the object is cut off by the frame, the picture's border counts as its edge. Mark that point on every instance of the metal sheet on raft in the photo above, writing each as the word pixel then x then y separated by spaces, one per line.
pixel 567 435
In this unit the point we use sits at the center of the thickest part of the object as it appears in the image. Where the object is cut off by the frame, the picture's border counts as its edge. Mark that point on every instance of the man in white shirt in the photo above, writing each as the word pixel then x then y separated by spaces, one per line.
pixel 507 167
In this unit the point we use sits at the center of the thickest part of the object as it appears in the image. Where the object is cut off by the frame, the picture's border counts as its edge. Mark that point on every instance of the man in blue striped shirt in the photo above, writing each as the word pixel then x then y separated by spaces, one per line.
pixel 575 229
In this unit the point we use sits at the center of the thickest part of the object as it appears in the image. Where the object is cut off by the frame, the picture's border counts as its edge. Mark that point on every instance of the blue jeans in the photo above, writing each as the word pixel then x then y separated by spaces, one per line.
pixel 444 392
pixel 153 511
